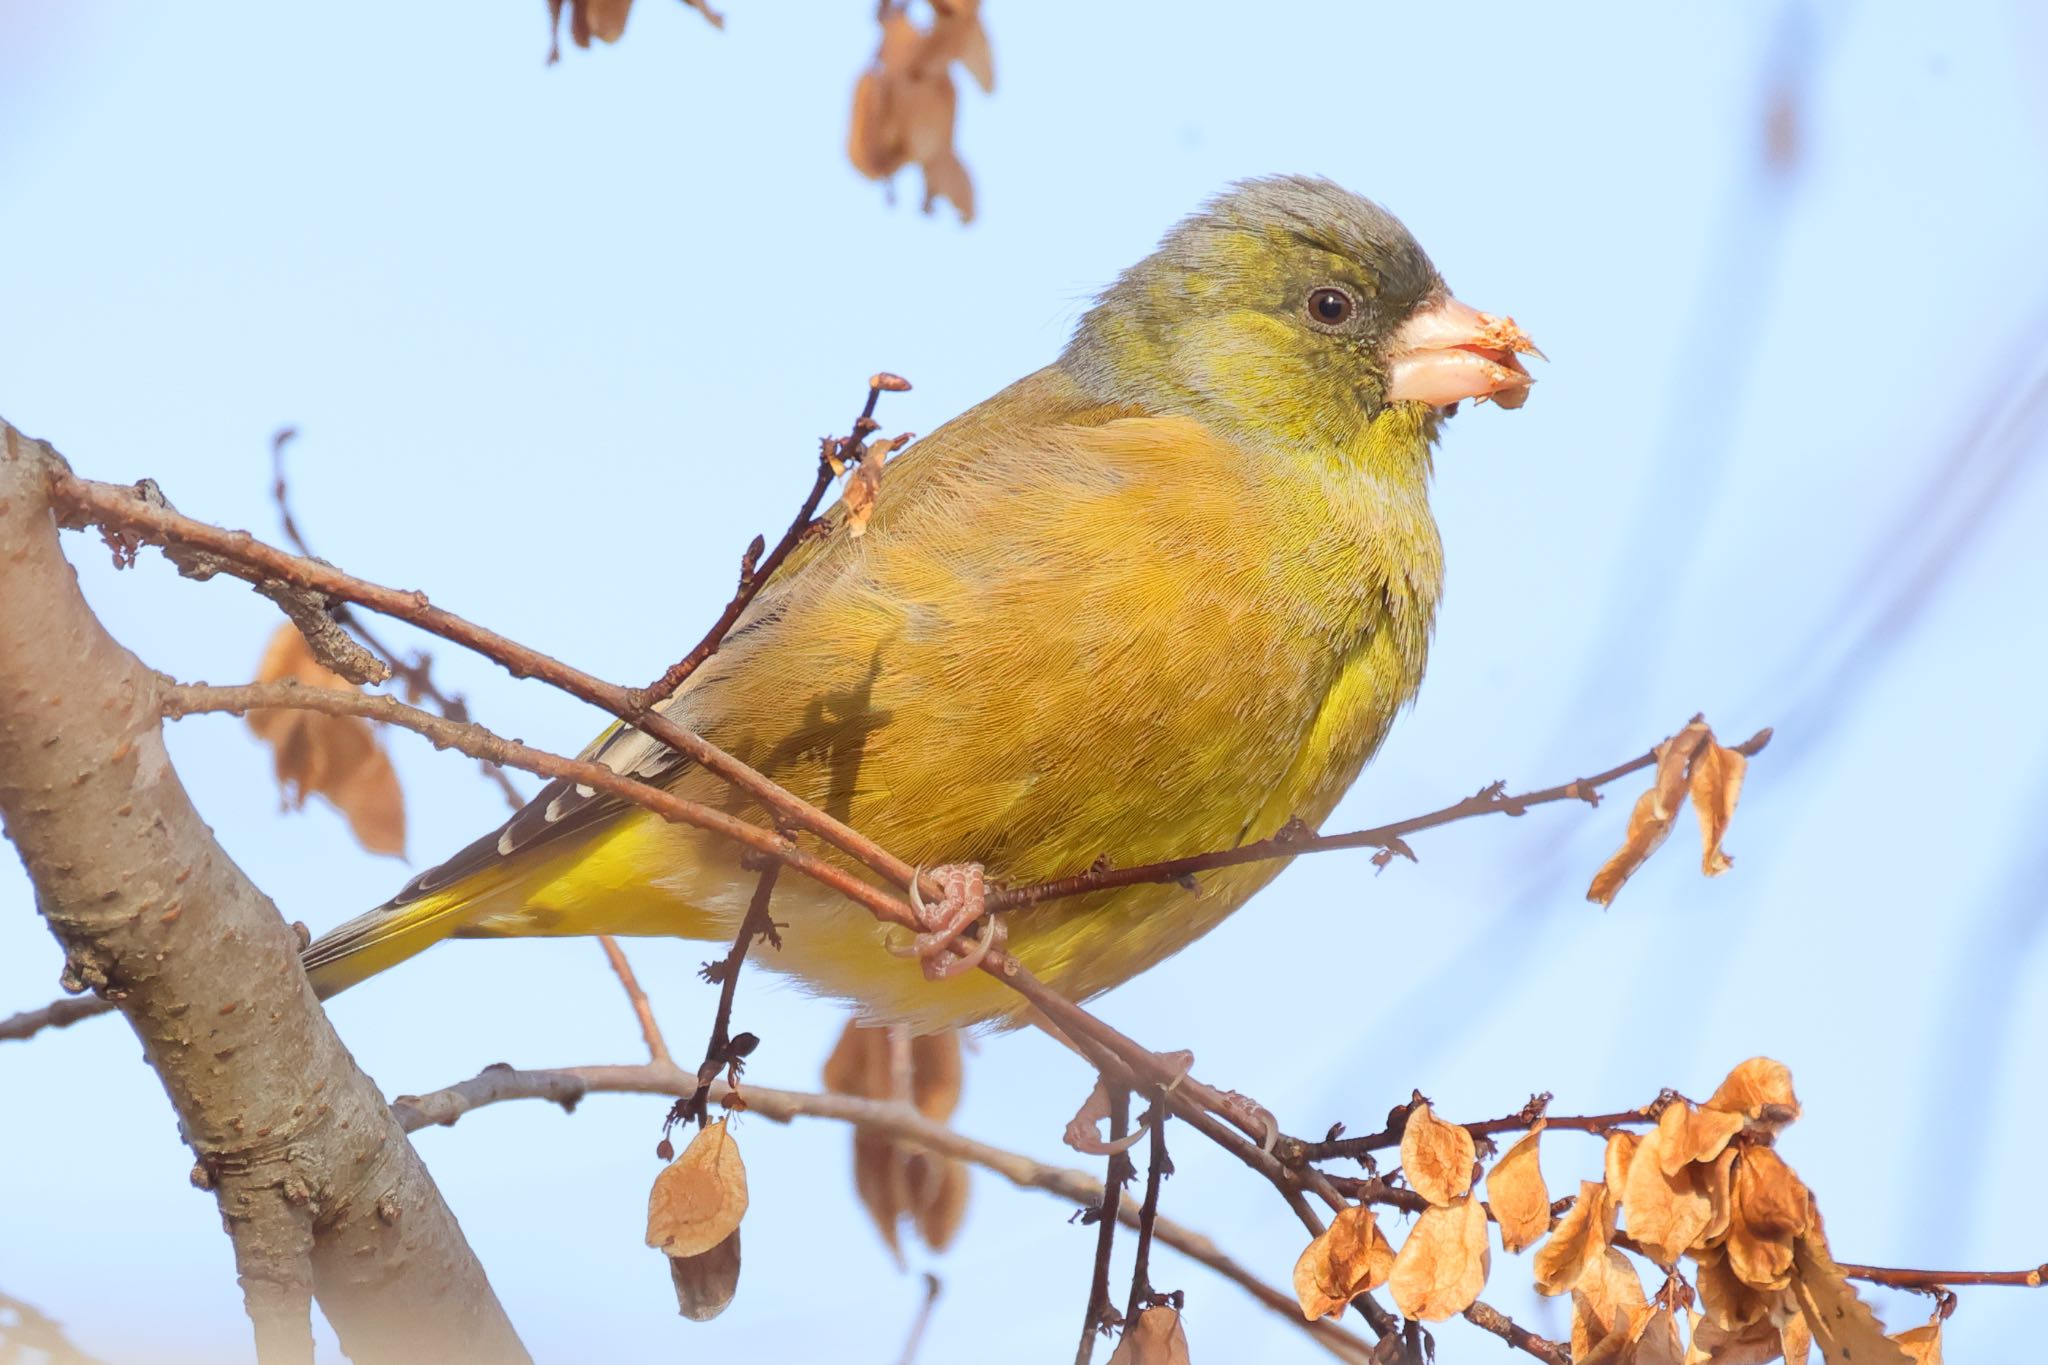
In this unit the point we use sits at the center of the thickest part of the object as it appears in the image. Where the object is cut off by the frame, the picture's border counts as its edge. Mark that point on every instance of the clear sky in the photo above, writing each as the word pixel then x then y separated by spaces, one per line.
pixel 560 340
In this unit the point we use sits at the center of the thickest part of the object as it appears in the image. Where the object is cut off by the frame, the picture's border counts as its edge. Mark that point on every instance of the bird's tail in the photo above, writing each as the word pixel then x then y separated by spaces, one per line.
pixel 384 937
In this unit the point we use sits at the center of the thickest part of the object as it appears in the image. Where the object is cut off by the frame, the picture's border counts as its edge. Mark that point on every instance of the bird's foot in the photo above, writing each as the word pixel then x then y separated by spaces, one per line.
pixel 966 893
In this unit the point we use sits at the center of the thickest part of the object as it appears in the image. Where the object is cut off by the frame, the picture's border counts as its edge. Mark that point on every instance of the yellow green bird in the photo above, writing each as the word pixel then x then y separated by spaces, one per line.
pixel 1160 597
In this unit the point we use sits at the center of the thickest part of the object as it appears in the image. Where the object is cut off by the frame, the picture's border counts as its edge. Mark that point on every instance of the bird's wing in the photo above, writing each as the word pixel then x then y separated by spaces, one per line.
pixel 1066 631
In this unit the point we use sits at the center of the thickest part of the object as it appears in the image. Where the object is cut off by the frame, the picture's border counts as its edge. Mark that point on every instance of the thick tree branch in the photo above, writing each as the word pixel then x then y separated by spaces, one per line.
pixel 316 1184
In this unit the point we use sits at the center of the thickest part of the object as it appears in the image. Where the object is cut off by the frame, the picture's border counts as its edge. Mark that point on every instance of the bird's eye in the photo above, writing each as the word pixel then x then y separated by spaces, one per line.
pixel 1329 306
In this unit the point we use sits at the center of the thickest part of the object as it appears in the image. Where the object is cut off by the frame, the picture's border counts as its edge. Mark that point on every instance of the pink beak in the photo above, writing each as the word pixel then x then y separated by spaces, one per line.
pixel 1452 351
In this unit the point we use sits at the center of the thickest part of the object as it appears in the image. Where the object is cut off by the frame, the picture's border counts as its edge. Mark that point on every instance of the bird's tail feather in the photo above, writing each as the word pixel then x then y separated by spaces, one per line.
pixel 385 937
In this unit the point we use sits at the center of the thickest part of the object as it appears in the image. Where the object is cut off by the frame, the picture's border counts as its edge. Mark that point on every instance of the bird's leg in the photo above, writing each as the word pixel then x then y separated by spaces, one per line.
pixel 966 890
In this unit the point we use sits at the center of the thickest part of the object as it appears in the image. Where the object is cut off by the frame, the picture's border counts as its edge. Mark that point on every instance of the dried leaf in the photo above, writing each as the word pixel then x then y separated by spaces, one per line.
pixel 1755 1344
pixel 705 1284
pixel 1650 822
pixel 1771 1208
pixel 1659 1342
pixel 1436 1157
pixel 1795 1340
pixel 1442 1266
pixel 1695 1134
pixel 1719 1183
pixel 1515 1189
pixel 1716 779
pixel 896 1181
pixel 1608 1301
pixel 1669 1214
pixel 699 1198
pixel 935 1074
pixel 1922 1345
pixel 904 105
pixel 1579 1243
pixel 938 1197
pixel 1351 1257
pixel 1731 1306
pixel 1621 1149
pixel 1761 1091
pixel 336 757
pixel 1155 1339
pixel 1843 1326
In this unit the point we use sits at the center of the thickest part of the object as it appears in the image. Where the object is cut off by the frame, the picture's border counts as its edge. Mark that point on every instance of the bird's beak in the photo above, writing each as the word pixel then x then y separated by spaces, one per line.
pixel 1451 351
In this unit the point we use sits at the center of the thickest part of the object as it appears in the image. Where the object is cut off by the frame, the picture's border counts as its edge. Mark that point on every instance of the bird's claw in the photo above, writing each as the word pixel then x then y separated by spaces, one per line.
pixel 966 894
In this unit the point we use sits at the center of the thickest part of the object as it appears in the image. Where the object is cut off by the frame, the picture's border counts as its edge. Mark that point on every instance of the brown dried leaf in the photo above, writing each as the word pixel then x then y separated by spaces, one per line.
pixel 1515 1189
pixel 1621 1149
pixel 1922 1345
pixel 1442 1266
pixel 1761 1091
pixel 699 1198
pixel 1659 1342
pixel 938 1197
pixel 1843 1326
pixel 1716 779
pixel 1650 822
pixel 1436 1157
pixel 705 1284
pixel 935 1074
pixel 904 104
pixel 1730 1305
pixel 1756 1344
pixel 1772 1207
pixel 1155 1339
pixel 1695 1134
pixel 1351 1257
pixel 1669 1214
pixel 1719 1182
pixel 1579 1243
pixel 335 757
pixel 1795 1340
pixel 1607 1302
pixel 896 1181
pixel 864 485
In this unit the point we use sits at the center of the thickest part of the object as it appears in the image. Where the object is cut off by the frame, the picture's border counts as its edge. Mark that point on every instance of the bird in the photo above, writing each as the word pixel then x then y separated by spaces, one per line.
pixel 1165 595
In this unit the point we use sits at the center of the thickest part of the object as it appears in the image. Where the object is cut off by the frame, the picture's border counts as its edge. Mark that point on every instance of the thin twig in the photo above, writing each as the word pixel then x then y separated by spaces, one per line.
pixel 722 1051
pixel 1097 1319
pixel 1295 841
pixel 921 1321
pixel 643 1009
pixel 1488 1318
pixel 56 1014
pixel 1356 1148
pixel 755 575
pixel 1157 1168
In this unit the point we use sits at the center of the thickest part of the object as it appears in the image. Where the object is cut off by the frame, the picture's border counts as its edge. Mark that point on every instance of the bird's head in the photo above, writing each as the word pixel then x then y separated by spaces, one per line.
pixel 1289 311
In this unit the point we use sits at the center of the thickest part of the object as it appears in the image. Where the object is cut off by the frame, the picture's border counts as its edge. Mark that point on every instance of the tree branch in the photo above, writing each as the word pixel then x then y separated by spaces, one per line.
pixel 895 1119
pixel 316 1184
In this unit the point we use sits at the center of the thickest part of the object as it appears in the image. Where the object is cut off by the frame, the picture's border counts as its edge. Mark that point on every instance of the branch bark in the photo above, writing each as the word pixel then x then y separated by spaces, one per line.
pixel 317 1185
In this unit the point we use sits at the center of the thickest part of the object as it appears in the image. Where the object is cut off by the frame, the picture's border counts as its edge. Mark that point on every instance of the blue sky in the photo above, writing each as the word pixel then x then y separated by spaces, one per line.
pixel 560 340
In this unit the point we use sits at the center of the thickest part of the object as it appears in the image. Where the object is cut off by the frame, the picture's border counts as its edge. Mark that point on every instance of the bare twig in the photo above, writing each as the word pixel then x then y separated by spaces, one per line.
pixel 900 1121
pixel 1097 1319
pixel 56 1014
pixel 1294 841
pixel 24 1327
pixel 756 571
pixel 1157 1168
pixel 921 1321
pixel 1483 1315
pixel 643 1010
pixel 724 1052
